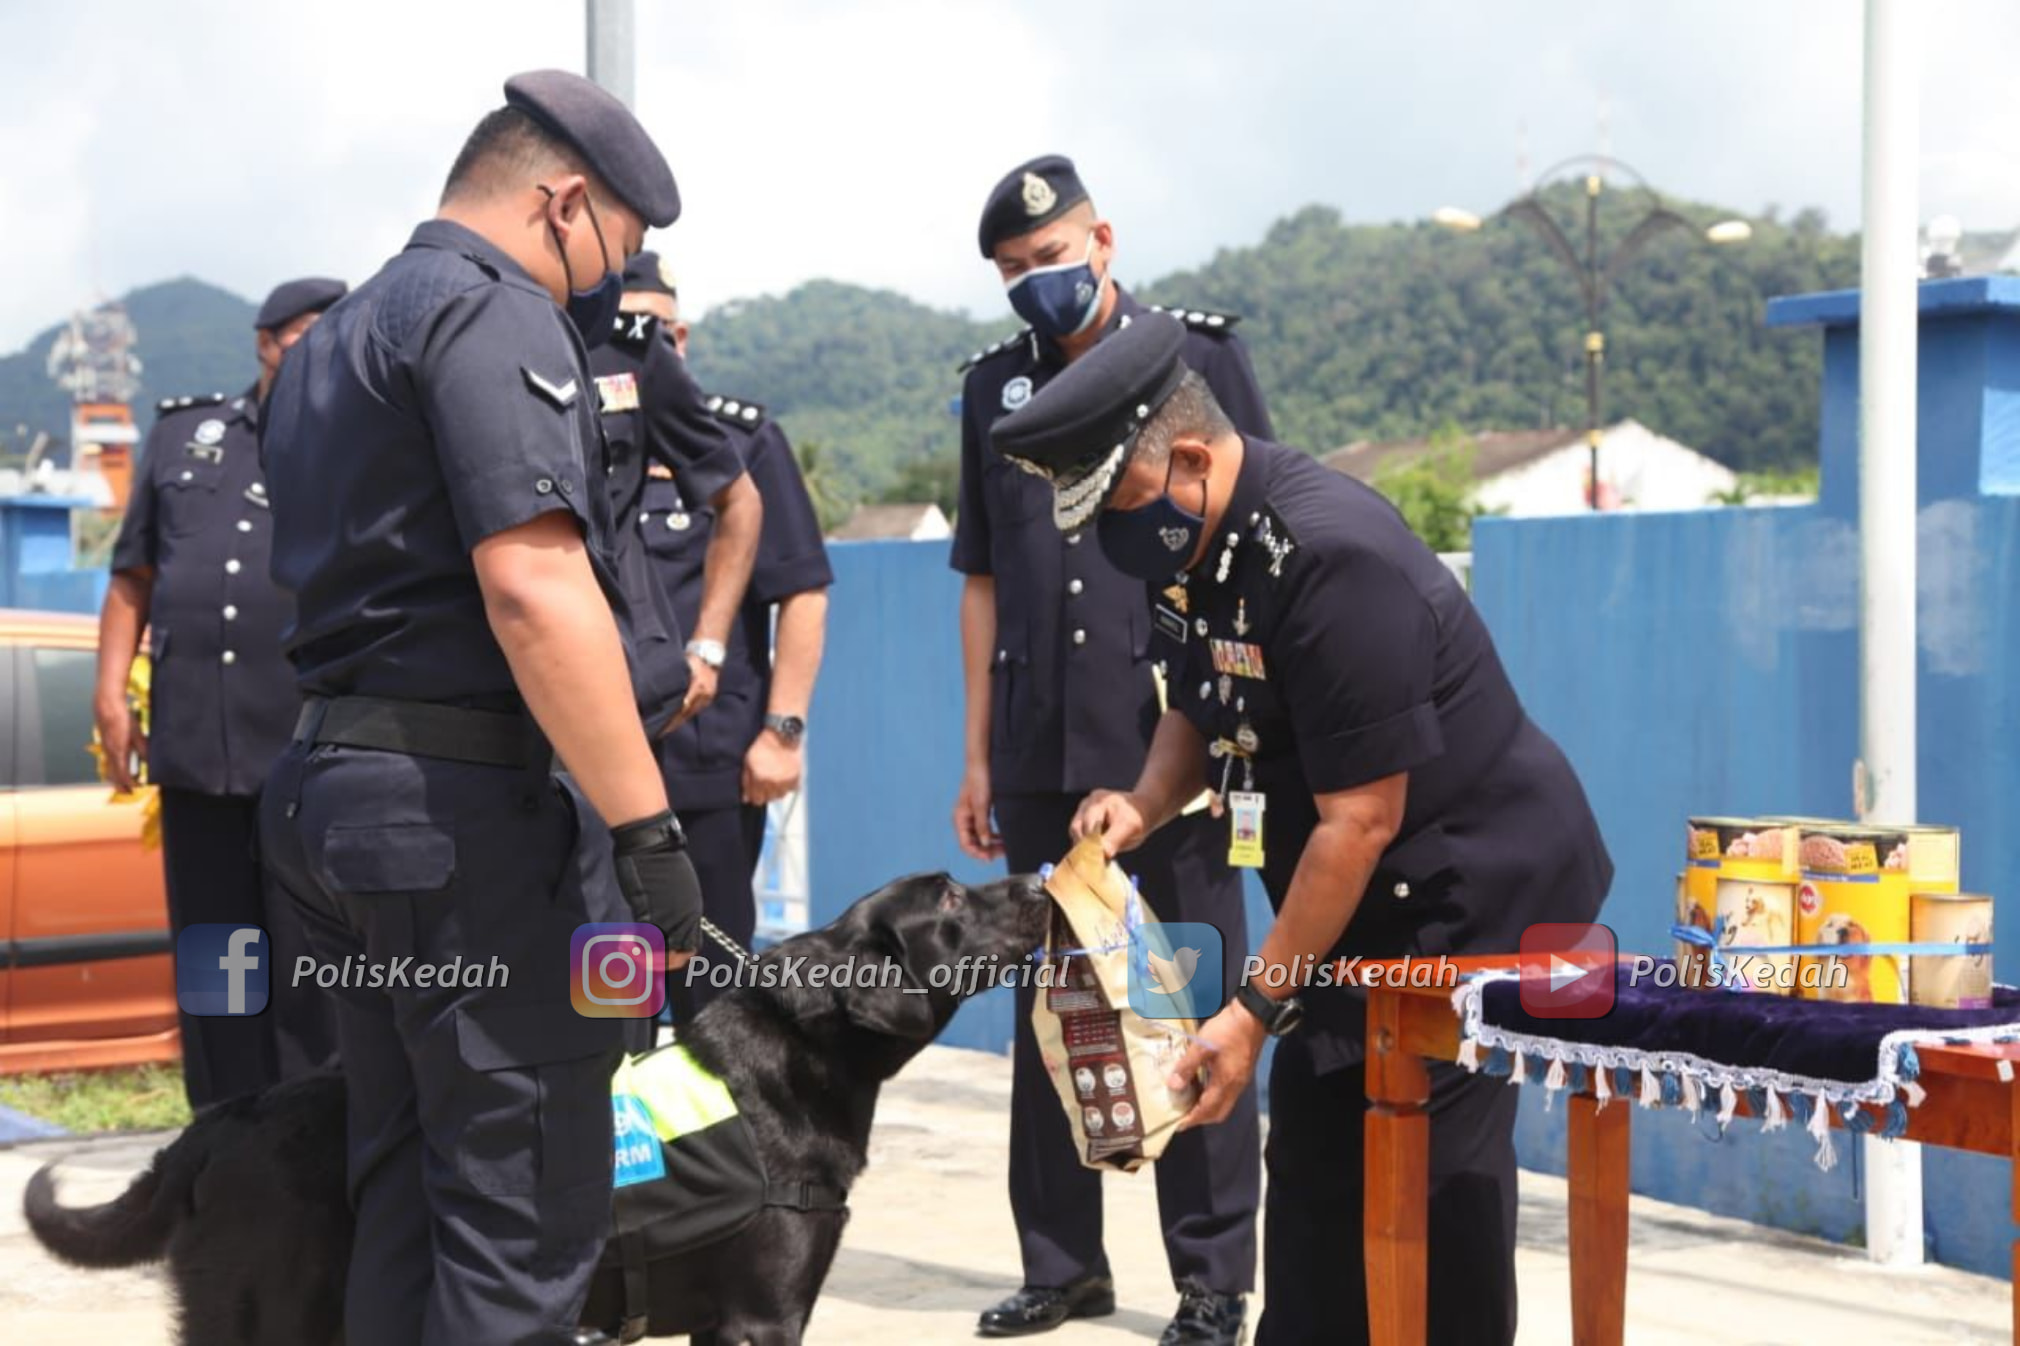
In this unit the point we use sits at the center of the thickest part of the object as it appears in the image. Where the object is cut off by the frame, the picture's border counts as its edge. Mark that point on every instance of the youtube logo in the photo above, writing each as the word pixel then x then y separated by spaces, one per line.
pixel 1568 970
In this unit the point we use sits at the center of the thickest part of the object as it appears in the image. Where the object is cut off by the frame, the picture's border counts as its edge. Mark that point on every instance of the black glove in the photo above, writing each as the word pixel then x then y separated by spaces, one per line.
pixel 658 880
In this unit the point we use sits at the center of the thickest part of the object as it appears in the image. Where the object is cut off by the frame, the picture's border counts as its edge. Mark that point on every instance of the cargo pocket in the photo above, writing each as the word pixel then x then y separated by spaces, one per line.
pixel 1415 892
pixel 388 858
pixel 535 1113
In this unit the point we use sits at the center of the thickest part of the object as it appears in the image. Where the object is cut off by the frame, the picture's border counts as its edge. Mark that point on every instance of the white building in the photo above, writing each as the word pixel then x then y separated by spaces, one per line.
pixel 1525 473
pixel 911 522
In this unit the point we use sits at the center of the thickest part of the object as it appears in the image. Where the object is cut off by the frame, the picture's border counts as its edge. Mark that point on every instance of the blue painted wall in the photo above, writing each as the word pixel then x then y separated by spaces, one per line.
pixel 35 557
pixel 1708 663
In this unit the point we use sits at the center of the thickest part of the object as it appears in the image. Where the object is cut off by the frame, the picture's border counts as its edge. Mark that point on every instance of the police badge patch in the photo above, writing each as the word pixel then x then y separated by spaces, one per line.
pixel 617 392
pixel 210 432
pixel 1016 392
pixel 1038 195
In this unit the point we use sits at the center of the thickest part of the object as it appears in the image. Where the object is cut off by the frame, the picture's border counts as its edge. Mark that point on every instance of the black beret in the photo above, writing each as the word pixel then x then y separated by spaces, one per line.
pixel 1029 197
pixel 649 272
pixel 602 130
pixel 291 299
pixel 1079 430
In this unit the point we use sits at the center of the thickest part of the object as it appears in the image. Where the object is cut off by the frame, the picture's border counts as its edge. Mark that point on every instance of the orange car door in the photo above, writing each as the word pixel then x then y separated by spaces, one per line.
pixel 91 953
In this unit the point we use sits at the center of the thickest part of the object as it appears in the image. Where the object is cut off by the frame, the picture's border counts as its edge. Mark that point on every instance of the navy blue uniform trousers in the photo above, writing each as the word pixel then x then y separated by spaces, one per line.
pixel 479 1119
pixel 1208 1178
pixel 210 856
pixel 724 845
pixel 1314 1287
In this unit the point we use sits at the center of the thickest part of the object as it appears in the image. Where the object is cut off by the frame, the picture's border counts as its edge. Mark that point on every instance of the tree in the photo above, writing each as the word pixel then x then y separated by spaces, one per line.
pixel 935 477
pixel 1434 491
pixel 833 503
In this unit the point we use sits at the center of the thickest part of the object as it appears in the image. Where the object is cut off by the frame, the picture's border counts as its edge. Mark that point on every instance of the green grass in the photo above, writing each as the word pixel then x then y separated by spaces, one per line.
pixel 136 1098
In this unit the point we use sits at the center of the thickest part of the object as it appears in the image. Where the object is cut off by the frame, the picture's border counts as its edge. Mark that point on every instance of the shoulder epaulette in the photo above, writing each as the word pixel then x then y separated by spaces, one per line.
pixel 634 330
pixel 992 351
pixel 1199 319
pixel 168 404
pixel 735 410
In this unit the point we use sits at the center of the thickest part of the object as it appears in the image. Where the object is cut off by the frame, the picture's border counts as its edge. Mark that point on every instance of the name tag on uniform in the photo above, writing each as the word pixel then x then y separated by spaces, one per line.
pixel 209 453
pixel 1169 622
pixel 1245 845
pixel 1238 658
pixel 617 392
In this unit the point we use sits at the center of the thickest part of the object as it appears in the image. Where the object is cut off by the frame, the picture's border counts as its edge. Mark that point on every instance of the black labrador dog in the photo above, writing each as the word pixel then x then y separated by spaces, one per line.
pixel 248 1205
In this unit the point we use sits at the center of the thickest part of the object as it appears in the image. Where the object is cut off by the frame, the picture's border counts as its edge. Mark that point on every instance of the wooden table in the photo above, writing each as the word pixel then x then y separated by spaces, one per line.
pixel 1973 1104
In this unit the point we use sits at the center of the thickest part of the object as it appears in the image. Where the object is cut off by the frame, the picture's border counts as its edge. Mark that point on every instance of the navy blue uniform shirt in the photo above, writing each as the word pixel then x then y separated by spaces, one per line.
pixel 1072 701
pixel 652 412
pixel 704 757
pixel 1320 630
pixel 441 402
pixel 223 700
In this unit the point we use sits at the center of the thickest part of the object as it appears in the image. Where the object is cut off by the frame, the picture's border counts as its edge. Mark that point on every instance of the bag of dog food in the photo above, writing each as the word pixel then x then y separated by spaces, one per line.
pixel 1108 1062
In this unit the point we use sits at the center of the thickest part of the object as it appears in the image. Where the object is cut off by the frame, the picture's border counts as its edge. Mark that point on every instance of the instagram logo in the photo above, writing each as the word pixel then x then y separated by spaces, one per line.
pixel 617 970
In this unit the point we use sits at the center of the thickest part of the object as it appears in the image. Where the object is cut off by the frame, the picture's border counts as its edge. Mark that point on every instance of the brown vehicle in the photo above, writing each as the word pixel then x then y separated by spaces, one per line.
pixel 87 975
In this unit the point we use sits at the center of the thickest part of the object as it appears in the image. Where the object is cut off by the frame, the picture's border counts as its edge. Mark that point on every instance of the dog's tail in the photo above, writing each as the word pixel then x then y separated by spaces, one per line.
pixel 131 1228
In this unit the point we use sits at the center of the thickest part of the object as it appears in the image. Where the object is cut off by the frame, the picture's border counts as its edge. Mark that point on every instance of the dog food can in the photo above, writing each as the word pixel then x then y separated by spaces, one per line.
pixel 1955 981
pixel 1735 848
pixel 1932 857
pixel 1755 913
pixel 1848 897
pixel 1691 960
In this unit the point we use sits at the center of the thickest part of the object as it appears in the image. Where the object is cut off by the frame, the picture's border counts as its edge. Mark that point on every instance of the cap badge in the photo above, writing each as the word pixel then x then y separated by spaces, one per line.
pixel 1038 195
pixel 210 432
pixel 1175 538
pixel 666 274
pixel 1016 392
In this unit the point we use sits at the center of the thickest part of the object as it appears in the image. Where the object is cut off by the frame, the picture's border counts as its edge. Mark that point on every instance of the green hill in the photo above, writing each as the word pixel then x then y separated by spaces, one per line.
pixel 1359 332
pixel 194 338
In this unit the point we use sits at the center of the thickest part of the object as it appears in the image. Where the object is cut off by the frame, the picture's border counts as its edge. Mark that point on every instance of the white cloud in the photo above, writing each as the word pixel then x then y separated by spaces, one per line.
pixel 245 142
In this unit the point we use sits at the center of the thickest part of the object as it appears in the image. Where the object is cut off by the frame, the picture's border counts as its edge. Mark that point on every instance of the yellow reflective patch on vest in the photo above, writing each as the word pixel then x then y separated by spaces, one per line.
pixel 679 1096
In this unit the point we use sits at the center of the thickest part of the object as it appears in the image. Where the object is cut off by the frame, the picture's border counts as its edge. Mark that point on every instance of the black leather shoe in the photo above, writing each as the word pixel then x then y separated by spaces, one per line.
pixel 1040 1308
pixel 1205 1318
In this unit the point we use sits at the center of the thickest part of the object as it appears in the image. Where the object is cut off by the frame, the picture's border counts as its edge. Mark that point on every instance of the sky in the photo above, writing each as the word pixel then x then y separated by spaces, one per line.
pixel 248 141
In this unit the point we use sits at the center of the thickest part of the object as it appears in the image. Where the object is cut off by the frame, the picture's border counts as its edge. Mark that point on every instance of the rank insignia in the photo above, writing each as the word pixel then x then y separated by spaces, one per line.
pixel 1238 658
pixel 617 392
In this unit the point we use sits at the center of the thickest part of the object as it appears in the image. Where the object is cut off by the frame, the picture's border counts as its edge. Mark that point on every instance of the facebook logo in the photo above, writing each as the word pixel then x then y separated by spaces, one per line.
pixel 222 969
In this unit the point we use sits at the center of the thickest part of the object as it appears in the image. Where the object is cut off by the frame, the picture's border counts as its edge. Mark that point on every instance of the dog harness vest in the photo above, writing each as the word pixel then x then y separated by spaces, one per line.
pixel 685 1170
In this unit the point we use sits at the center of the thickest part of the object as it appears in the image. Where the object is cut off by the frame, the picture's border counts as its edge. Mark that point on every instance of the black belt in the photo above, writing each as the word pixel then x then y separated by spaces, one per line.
pixel 423 729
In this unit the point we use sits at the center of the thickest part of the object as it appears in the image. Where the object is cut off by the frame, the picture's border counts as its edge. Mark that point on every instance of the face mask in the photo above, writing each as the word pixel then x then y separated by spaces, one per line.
pixel 1059 301
pixel 1155 541
pixel 594 310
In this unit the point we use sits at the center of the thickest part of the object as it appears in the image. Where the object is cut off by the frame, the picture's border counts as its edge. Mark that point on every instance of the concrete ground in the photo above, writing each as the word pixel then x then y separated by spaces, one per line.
pixel 930 1244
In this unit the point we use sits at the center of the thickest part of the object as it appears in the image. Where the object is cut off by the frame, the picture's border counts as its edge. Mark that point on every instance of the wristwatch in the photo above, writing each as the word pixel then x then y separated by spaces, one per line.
pixel 710 652
pixel 1278 1016
pixel 790 728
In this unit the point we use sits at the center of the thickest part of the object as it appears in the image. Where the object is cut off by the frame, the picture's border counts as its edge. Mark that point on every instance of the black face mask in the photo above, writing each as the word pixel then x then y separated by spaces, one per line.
pixel 1155 541
pixel 594 310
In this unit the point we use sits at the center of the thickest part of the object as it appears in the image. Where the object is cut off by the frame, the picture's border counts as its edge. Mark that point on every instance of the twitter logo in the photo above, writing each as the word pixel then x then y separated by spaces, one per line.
pixel 1175 970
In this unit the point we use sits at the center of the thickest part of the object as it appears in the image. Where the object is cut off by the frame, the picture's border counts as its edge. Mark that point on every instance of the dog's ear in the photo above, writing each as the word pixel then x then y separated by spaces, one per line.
pixel 899 1006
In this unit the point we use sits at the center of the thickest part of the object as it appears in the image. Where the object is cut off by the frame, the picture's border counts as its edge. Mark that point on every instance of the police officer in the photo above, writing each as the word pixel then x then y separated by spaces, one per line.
pixel 654 418
pixel 1342 696
pixel 1061 699
pixel 726 764
pixel 439 484
pixel 190 566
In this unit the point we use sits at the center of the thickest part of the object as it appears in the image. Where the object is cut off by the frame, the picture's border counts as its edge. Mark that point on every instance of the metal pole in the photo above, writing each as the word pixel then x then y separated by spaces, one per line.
pixel 1885 779
pixel 612 41
pixel 1595 343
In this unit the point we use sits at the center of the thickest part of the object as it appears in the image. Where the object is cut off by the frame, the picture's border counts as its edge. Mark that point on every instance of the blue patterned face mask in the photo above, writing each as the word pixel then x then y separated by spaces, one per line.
pixel 594 310
pixel 1152 542
pixel 1059 301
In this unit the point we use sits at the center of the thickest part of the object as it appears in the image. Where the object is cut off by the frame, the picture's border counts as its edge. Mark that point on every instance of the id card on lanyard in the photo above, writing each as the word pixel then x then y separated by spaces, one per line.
pixel 1245 814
